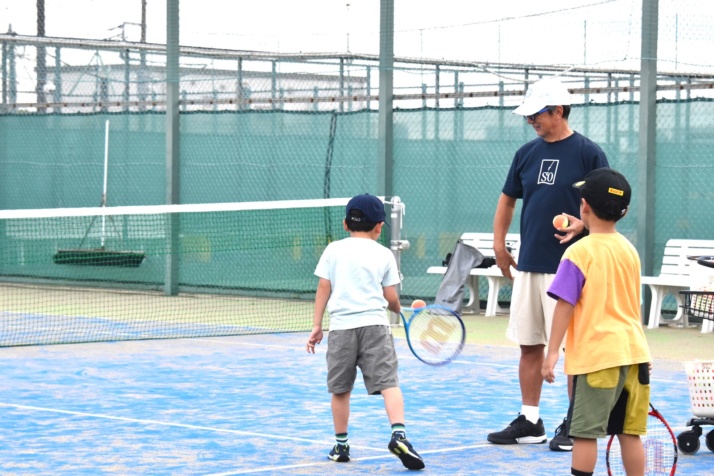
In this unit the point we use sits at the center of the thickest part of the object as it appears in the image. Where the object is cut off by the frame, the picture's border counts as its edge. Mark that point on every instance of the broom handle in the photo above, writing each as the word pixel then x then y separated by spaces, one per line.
pixel 106 167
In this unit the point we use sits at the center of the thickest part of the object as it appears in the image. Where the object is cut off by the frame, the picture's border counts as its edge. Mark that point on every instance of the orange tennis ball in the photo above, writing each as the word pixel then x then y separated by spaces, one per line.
pixel 560 221
pixel 418 303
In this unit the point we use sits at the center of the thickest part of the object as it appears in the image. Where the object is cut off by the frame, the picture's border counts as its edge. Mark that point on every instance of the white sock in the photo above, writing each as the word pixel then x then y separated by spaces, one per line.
pixel 531 413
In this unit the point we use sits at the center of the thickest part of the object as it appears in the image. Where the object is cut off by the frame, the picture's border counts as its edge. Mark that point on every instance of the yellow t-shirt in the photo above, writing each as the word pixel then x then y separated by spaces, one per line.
pixel 600 276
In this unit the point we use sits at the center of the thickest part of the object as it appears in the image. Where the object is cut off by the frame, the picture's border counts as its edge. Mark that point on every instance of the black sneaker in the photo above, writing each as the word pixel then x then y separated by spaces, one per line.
pixel 405 452
pixel 520 431
pixel 340 453
pixel 560 441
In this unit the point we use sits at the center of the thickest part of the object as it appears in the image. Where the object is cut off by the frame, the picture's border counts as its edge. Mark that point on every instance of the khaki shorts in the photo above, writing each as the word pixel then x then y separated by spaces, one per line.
pixel 532 309
pixel 610 402
pixel 371 349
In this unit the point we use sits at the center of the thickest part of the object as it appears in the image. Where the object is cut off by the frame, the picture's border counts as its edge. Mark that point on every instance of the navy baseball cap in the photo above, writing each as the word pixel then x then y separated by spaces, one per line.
pixel 371 207
pixel 606 190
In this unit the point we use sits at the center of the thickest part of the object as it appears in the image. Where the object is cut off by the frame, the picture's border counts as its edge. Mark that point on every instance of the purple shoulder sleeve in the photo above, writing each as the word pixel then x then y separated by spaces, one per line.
pixel 568 282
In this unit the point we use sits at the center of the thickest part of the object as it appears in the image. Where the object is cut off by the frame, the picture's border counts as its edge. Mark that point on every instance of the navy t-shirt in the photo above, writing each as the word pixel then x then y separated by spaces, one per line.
pixel 542 174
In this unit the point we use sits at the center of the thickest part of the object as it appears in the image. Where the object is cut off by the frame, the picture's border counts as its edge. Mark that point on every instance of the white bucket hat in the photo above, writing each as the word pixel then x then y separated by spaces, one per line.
pixel 542 93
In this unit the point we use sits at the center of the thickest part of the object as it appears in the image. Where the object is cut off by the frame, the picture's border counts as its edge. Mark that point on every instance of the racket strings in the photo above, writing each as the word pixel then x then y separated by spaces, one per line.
pixel 435 336
pixel 659 446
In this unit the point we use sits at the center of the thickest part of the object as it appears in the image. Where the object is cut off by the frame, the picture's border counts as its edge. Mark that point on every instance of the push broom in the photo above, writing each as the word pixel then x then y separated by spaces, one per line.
pixel 100 256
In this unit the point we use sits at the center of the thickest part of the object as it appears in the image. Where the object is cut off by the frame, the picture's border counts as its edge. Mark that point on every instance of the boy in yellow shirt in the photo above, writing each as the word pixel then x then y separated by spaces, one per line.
pixel 597 287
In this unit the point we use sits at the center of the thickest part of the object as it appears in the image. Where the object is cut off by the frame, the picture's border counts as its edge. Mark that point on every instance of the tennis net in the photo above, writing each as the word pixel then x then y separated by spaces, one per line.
pixel 167 271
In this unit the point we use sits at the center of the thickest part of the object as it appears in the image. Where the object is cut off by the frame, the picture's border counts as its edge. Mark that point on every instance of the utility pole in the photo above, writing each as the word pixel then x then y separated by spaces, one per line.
pixel 41 59
pixel 141 77
pixel 647 143
pixel 173 145
pixel 143 21
pixel 385 157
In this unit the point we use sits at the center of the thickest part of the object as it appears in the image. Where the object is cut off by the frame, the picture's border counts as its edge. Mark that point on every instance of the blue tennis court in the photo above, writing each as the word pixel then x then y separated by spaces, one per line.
pixel 259 405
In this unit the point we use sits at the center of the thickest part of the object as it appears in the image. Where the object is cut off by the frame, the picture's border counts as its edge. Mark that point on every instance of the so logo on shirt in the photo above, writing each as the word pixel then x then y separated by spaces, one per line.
pixel 548 171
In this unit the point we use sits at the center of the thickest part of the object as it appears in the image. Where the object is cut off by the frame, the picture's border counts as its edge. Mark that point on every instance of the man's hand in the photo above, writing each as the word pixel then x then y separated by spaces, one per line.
pixel 504 261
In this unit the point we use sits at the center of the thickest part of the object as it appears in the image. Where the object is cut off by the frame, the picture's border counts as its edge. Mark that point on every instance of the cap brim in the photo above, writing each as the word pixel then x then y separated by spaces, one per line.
pixel 528 108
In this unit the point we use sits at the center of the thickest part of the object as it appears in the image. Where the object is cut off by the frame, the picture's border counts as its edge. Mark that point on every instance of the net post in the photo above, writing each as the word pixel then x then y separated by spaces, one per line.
pixel 396 244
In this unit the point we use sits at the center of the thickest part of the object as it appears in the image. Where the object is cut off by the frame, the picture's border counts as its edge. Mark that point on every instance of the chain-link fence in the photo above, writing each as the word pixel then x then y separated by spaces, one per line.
pixel 272 126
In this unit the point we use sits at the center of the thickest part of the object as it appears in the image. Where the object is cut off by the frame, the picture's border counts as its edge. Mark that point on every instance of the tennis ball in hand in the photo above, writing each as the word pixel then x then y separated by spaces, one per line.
pixel 560 221
pixel 418 303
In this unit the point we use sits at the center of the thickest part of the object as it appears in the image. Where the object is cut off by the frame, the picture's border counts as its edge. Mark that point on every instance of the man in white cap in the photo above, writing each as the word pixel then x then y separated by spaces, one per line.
pixel 541 174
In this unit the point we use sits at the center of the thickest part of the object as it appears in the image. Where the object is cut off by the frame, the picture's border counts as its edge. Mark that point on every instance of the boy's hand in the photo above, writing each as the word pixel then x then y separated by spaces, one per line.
pixel 315 338
pixel 575 227
pixel 548 370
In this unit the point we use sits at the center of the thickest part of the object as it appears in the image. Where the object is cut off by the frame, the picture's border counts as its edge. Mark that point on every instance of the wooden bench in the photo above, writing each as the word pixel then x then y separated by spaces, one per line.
pixel 484 243
pixel 675 276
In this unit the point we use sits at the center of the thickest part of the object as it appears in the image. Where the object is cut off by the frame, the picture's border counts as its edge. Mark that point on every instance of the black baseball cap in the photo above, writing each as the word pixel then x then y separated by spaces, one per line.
pixel 606 190
pixel 371 207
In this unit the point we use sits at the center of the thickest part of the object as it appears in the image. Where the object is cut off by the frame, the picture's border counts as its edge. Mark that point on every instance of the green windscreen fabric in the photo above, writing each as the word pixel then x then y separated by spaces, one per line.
pixel 448 166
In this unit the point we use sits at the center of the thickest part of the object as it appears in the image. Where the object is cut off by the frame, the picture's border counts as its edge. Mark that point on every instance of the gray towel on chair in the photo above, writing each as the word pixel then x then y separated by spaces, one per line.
pixel 451 291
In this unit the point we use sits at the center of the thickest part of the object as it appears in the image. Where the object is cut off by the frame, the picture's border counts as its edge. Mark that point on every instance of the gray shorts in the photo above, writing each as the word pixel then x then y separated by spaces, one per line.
pixel 371 349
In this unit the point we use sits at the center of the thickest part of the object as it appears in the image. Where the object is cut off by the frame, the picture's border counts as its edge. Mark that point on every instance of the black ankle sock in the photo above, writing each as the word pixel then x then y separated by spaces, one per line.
pixel 577 472
pixel 399 430
pixel 341 439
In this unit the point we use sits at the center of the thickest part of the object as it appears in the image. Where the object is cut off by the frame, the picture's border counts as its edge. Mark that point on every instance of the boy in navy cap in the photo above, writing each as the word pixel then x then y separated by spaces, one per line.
pixel 358 278
pixel 597 288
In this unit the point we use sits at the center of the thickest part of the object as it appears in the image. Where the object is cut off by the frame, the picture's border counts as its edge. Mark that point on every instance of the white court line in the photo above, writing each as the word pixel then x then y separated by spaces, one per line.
pixel 248 344
pixel 330 463
pixel 385 454
pixel 164 423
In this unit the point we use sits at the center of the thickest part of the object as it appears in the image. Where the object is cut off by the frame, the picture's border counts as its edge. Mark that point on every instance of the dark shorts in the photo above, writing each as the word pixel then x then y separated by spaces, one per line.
pixel 371 349
pixel 610 402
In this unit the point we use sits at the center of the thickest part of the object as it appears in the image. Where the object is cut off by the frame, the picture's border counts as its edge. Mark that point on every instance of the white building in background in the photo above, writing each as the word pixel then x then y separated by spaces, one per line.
pixel 100 75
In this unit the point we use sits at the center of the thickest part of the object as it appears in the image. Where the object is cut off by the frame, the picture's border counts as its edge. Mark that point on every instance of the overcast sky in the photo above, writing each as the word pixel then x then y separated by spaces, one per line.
pixel 452 29
pixel 596 33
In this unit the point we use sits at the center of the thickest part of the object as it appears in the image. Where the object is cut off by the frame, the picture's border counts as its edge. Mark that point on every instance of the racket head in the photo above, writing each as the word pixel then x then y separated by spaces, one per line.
pixel 660 448
pixel 435 334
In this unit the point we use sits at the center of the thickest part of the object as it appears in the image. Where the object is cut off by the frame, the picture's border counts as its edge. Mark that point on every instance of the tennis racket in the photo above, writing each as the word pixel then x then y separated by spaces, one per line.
pixel 435 334
pixel 660 448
